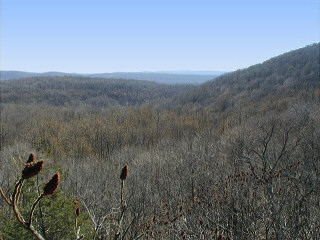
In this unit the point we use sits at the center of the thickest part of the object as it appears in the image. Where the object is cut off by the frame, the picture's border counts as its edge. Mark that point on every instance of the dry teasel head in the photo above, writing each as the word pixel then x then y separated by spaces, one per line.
pixel 124 173
pixel 52 185
pixel 31 158
pixel 77 211
pixel 31 169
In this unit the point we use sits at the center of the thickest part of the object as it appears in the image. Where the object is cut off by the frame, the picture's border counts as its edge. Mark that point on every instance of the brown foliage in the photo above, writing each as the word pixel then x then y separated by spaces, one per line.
pixel 124 173
pixel 31 158
pixel 52 185
pixel 32 169
pixel 78 211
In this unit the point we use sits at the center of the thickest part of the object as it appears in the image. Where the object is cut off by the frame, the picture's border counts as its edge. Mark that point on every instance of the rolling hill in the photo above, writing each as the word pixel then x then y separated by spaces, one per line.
pixel 167 77
pixel 278 76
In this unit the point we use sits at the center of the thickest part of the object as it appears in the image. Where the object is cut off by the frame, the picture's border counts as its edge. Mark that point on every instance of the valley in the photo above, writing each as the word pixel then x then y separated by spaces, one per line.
pixel 236 157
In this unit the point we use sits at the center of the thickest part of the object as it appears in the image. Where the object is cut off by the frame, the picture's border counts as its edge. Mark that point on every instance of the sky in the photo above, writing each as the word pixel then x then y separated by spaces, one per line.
pixel 96 36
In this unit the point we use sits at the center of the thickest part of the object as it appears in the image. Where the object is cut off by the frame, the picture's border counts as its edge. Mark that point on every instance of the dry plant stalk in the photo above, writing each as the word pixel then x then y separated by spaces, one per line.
pixel 76 215
pixel 4 197
pixel 32 168
pixel 123 176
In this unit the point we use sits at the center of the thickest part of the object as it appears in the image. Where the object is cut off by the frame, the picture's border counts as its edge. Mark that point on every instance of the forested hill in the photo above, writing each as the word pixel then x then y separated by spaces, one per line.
pixel 287 73
pixel 77 90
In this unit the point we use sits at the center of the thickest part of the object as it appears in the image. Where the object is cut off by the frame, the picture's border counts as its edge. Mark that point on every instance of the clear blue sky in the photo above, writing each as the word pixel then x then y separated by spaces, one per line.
pixel 92 36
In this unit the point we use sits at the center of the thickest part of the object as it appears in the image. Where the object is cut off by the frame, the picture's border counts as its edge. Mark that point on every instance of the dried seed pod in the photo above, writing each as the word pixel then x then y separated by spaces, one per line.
pixel 124 173
pixel 52 185
pixel 32 158
pixel 31 169
pixel 77 211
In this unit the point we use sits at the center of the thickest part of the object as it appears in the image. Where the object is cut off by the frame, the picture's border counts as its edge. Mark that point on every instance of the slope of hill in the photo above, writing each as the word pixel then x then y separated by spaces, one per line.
pixel 288 72
pixel 77 90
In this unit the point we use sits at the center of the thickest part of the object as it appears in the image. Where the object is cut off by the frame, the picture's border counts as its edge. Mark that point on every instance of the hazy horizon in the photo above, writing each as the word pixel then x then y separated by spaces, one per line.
pixel 185 71
pixel 142 36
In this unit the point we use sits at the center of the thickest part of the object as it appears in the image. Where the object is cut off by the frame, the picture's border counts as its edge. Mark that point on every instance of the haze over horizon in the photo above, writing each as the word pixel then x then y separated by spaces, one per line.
pixel 134 36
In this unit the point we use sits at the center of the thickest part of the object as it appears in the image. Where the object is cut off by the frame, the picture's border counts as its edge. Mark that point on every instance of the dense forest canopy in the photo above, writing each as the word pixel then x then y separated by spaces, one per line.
pixel 234 158
pixel 76 91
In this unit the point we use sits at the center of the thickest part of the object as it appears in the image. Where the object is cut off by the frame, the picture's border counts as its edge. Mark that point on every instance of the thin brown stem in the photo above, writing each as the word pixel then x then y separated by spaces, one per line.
pixel 4 197
pixel 19 192
pixel 43 230
pixel 123 208
pixel 122 194
pixel 14 203
pixel 33 208
pixel 76 226
pixel 28 226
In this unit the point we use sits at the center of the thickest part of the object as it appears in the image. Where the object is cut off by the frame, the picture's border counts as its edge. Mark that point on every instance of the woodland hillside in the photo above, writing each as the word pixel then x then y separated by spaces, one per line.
pixel 290 71
pixel 77 91
pixel 233 158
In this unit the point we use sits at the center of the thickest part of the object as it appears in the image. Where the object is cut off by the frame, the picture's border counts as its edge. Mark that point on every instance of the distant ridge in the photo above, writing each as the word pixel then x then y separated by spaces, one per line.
pixel 188 72
pixel 5 75
pixel 167 77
